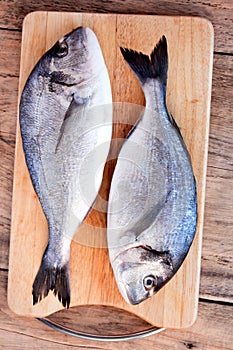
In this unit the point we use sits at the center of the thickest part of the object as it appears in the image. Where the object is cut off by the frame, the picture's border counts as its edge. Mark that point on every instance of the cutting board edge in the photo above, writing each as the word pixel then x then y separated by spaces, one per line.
pixel 195 18
pixel 35 12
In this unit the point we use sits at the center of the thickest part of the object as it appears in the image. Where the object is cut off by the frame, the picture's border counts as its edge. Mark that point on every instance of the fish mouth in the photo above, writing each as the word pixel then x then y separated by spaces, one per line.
pixel 80 31
pixel 125 292
pixel 119 266
pixel 86 36
pixel 127 263
pixel 81 38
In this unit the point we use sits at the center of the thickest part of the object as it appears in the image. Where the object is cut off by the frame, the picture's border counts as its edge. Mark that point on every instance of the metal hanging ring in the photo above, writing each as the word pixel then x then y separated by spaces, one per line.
pixel 104 338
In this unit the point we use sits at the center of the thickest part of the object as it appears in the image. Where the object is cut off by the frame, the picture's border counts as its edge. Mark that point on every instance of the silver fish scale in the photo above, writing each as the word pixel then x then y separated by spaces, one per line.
pixel 164 233
pixel 148 177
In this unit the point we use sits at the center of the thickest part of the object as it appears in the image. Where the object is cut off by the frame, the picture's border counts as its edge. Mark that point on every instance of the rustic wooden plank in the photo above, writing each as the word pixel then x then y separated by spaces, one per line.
pixel 219 13
pixel 212 330
pixel 10 53
pixel 6 169
pixel 221 127
pixel 217 260
pixel 8 111
pixel 214 321
pixel 8 107
pixel 9 71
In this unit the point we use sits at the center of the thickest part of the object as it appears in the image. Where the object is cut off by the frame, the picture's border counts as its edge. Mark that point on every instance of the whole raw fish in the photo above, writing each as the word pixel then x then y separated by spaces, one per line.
pixel 152 211
pixel 65 121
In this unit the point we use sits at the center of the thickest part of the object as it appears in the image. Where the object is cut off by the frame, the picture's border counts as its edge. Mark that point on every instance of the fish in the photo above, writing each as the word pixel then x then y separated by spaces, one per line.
pixel 152 207
pixel 66 127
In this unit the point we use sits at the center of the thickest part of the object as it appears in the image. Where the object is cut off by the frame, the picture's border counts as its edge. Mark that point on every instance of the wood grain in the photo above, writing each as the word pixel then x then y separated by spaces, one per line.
pixel 189 73
pixel 221 114
pixel 9 71
pixel 10 54
pixel 217 280
pixel 212 330
pixel 220 13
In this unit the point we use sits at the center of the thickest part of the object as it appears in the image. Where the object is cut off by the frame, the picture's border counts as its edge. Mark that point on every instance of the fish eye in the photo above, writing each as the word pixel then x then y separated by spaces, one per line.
pixel 149 282
pixel 61 49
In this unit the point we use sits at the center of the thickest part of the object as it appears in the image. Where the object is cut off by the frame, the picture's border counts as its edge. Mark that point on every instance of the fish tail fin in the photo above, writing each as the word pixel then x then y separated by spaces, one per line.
pixel 52 277
pixel 146 67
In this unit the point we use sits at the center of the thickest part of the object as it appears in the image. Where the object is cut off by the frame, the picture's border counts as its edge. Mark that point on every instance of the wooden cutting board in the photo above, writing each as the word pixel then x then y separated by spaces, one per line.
pixel 190 48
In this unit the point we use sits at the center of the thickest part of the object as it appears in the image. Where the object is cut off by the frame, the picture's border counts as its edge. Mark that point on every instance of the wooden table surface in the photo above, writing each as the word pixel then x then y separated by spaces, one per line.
pixel 214 326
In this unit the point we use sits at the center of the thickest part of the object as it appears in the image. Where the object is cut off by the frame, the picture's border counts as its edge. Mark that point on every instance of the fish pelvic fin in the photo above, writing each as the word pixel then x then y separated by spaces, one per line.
pixel 56 279
pixel 146 67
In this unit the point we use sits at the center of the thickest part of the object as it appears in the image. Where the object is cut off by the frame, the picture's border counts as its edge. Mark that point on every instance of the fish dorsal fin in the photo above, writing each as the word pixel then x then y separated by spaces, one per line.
pixel 75 104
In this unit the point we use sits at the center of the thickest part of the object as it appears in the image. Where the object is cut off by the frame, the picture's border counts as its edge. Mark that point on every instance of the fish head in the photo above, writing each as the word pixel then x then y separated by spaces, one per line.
pixel 141 271
pixel 76 57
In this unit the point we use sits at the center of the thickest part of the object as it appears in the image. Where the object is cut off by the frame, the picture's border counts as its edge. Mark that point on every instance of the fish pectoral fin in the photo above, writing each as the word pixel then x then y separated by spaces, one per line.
pixel 75 104
pixel 80 100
